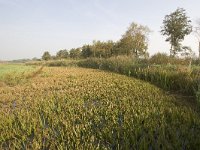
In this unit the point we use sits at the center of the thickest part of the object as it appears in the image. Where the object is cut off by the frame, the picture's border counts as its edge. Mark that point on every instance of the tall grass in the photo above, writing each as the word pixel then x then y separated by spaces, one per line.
pixel 169 77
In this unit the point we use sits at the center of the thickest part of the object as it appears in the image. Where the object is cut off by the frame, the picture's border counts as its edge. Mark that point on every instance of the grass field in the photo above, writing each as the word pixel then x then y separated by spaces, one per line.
pixel 13 74
pixel 76 108
pixel 14 68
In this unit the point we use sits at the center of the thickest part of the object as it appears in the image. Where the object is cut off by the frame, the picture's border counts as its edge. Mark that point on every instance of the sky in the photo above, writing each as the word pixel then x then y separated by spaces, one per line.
pixel 30 27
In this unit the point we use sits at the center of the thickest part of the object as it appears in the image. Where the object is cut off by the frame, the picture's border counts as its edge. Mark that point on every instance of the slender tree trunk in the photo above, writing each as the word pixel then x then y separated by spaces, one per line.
pixel 171 50
pixel 136 53
pixel 94 53
pixel 199 49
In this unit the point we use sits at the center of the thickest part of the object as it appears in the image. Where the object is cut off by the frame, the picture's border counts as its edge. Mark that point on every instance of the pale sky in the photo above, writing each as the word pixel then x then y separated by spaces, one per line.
pixel 30 27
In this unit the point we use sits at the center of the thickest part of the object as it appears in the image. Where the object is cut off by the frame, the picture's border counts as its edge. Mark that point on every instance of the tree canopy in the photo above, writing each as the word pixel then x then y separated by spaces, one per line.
pixel 46 56
pixel 75 53
pixel 176 26
pixel 62 54
pixel 135 40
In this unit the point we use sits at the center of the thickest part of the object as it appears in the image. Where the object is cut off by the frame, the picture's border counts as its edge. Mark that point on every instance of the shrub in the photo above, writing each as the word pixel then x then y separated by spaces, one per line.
pixel 54 63
pixel 160 58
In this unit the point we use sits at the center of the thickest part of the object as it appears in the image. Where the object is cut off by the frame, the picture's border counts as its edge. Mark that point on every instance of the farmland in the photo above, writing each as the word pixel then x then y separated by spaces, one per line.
pixel 13 68
pixel 77 108
pixel 15 74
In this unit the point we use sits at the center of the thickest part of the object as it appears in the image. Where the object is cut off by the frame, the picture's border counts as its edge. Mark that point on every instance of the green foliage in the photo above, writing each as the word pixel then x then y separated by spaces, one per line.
pixel 20 75
pixel 86 51
pixel 11 68
pixel 196 62
pixel 160 58
pixel 198 95
pixel 46 56
pixel 54 63
pixel 64 63
pixel 176 26
pixel 134 42
pixel 77 108
pixel 75 53
pixel 102 49
pixel 164 59
pixel 187 52
pixel 35 63
pixel 62 54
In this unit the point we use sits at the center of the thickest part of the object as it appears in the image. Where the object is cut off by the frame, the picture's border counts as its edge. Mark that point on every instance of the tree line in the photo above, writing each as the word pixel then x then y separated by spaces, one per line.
pixel 134 42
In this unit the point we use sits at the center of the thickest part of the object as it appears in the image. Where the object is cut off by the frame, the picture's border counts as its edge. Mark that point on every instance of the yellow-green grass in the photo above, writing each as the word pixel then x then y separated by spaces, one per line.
pixel 13 74
pixel 76 108
pixel 14 68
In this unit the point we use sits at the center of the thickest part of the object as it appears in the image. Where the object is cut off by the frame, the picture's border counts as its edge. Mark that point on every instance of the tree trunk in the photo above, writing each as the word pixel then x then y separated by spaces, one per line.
pixel 136 53
pixel 171 50
pixel 199 49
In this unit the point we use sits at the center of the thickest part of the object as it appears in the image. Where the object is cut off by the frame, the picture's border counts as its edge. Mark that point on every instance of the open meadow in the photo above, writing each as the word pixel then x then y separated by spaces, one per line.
pixel 77 108
pixel 7 68
pixel 13 74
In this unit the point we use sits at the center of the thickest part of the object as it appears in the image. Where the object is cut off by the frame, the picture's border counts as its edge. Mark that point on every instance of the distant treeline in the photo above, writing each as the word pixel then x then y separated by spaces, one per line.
pixel 134 42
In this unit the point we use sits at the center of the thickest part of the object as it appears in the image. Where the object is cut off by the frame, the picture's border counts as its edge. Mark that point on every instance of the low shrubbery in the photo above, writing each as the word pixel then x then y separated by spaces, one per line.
pixel 34 63
pixel 163 59
pixel 54 63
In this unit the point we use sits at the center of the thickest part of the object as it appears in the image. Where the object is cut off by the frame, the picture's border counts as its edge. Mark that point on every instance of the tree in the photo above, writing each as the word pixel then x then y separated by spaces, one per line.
pixel 108 46
pixel 62 54
pixel 35 59
pixel 176 26
pixel 46 56
pixel 187 52
pixel 86 51
pixel 134 41
pixel 102 49
pixel 75 53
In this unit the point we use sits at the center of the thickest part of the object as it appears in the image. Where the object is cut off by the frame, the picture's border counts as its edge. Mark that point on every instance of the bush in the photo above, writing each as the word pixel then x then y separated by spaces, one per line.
pixel 160 58
pixel 164 59
pixel 196 62
pixel 54 63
